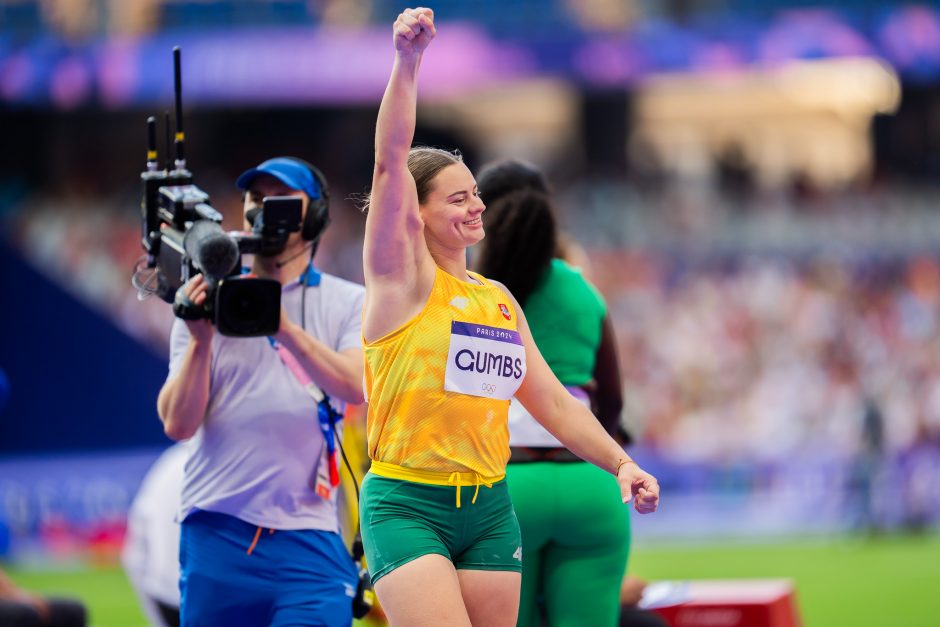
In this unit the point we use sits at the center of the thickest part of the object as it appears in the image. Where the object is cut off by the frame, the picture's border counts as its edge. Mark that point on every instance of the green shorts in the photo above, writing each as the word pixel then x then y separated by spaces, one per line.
pixel 403 520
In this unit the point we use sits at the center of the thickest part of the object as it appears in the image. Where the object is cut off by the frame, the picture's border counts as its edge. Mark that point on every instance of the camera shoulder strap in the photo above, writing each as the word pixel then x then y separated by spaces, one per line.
pixel 326 478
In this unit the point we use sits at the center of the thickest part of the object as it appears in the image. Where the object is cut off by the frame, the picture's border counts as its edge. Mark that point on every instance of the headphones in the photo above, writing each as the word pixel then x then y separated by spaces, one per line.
pixel 318 211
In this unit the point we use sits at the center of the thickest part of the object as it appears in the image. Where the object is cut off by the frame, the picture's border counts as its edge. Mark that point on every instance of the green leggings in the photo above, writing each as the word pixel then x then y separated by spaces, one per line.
pixel 575 541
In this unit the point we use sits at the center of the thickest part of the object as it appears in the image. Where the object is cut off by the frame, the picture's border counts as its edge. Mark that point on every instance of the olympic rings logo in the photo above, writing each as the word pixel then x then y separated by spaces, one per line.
pixel 489 388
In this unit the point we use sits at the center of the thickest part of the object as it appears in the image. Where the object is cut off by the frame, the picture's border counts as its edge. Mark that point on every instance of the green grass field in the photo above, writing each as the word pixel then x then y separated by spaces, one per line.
pixel 876 582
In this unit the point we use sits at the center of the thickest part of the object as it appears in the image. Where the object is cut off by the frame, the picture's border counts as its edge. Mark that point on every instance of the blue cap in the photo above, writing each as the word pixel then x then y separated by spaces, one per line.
pixel 288 171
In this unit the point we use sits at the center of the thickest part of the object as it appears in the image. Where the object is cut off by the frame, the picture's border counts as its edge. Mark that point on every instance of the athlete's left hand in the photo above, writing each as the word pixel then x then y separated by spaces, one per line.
pixel 639 486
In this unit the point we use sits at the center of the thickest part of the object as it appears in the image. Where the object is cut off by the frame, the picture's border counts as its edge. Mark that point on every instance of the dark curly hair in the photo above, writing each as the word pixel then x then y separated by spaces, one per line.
pixel 521 234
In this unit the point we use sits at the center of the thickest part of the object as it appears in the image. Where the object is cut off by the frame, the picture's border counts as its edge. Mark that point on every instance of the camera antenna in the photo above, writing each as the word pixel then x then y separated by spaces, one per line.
pixel 178 85
pixel 166 138
pixel 145 277
pixel 151 144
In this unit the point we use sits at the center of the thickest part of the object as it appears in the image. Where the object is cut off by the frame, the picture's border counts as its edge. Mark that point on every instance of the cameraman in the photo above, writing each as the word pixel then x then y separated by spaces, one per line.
pixel 259 536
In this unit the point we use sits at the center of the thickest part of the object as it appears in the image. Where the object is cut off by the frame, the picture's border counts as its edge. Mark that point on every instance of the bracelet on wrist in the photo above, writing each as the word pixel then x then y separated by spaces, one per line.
pixel 623 462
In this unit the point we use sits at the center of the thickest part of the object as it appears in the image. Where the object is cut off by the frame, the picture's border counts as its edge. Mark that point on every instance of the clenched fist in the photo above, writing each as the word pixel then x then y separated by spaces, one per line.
pixel 413 31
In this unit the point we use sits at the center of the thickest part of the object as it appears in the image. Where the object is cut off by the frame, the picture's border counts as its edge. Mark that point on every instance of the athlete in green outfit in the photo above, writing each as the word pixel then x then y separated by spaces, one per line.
pixel 575 533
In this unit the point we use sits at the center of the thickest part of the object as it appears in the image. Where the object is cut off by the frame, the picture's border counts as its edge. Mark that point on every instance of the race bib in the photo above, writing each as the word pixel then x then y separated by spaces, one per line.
pixel 484 361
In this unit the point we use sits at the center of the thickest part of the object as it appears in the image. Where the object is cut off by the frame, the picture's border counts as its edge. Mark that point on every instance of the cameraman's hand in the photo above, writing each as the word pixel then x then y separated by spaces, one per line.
pixel 196 290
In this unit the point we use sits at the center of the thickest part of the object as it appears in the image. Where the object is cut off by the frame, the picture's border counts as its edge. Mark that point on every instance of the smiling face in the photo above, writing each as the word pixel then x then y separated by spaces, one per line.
pixel 452 211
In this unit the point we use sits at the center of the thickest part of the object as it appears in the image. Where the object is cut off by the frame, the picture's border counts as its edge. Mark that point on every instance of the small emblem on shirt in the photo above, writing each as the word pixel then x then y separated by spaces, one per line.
pixel 460 302
pixel 503 309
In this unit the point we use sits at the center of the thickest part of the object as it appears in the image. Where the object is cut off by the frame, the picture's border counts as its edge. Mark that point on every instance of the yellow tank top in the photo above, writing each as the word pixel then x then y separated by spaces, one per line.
pixel 438 387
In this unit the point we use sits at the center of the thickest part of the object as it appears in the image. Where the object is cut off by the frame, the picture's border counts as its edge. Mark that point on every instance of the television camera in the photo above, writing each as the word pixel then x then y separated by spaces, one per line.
pixel 182 235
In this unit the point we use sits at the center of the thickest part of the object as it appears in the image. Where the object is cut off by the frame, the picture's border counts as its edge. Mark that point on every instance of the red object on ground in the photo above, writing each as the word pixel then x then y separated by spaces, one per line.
pixel 734 603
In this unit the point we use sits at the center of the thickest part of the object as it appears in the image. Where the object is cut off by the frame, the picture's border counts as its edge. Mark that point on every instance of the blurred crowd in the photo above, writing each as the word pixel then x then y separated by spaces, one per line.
pixel 754 331
pixel 775 353
pixel 90 252
pixel 758 358
pixel 727 355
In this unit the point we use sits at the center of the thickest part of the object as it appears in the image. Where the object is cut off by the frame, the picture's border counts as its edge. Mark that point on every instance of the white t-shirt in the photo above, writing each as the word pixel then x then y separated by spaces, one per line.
pixel 260 442
pixel 525 430
pixel 151 545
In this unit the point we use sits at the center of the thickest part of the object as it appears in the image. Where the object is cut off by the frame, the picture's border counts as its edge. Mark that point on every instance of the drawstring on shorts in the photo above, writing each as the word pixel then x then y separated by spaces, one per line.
pixel 254 542
pixel 455 479
pixel 432 477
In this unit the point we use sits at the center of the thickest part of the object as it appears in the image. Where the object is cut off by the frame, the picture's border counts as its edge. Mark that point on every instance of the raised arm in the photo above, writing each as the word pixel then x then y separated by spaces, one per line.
pixel 395 255
pixel 543 396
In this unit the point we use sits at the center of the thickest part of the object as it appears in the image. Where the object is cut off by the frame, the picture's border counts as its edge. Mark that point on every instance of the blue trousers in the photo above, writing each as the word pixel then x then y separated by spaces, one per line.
pixel 230 574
